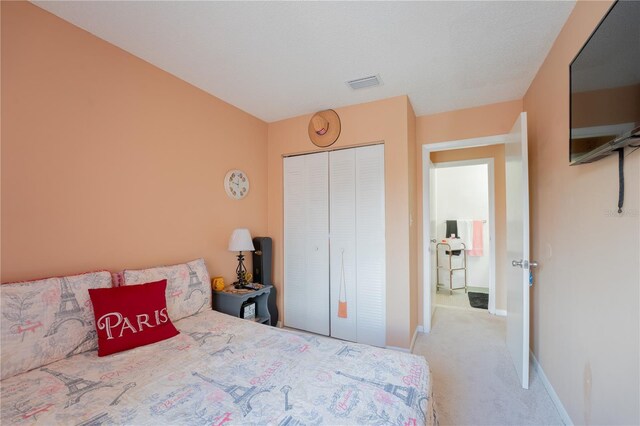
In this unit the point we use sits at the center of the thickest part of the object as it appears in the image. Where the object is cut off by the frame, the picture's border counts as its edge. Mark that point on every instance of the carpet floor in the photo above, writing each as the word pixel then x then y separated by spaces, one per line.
pixel 458 298
pixel 474 380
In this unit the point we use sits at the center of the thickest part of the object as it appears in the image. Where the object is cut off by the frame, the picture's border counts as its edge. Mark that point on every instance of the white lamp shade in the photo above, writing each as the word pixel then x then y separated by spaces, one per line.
pixel 241 240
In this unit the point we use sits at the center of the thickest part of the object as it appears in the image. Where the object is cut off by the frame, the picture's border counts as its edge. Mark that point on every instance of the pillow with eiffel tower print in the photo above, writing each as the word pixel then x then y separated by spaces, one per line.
pixel 188 286
pixel 47 320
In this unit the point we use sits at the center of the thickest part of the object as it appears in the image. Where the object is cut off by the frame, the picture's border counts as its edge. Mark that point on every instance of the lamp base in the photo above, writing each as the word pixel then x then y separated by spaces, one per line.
pixel 241 273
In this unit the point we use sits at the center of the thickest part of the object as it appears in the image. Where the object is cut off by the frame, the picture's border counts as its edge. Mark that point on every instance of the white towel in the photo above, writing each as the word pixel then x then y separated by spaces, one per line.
pixel 465 228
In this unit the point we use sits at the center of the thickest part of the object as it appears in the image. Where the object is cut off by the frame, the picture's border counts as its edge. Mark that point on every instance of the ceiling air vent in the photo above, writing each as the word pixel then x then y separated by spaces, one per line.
pixel 361 83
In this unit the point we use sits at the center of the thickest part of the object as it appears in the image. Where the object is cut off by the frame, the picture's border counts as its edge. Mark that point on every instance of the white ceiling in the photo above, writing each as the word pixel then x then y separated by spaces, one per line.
pixel 281 59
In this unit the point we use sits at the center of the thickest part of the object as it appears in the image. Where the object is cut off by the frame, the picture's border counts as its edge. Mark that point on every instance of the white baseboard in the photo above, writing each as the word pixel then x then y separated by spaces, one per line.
pixel 552 393
pixel 419 329
pixel 501 312
pixel 397 348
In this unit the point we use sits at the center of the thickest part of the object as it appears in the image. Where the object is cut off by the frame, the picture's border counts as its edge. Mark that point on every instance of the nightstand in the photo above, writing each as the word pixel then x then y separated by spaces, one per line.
pixel 229 301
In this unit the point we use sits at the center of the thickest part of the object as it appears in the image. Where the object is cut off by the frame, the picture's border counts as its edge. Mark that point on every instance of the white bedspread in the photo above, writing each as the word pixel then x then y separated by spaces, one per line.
pixel 223 370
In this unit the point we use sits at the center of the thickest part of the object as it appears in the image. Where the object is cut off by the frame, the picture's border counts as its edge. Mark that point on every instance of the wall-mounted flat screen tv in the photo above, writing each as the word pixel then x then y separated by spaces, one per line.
pixel 605 86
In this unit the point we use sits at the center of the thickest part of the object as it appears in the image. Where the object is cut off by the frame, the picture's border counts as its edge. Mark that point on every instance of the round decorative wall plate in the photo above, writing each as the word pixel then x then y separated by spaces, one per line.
pixel 236 184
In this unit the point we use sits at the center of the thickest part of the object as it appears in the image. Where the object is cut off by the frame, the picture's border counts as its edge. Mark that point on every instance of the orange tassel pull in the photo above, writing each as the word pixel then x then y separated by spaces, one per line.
pixel 342 309
pixel 342 297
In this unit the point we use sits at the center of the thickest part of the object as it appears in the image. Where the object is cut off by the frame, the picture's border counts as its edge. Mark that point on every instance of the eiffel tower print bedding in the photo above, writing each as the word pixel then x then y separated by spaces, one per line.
pixel 47 320
pixel 225 370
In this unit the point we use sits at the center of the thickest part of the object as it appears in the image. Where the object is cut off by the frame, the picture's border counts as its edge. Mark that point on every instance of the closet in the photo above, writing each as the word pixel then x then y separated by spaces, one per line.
pixel 334 244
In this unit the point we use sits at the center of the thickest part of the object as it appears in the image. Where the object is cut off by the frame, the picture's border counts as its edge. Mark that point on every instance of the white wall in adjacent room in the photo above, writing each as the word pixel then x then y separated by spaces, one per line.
pixel 462 193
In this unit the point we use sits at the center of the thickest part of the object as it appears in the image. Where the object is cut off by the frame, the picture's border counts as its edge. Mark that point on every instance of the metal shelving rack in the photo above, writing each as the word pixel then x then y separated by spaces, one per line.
pixel 450 269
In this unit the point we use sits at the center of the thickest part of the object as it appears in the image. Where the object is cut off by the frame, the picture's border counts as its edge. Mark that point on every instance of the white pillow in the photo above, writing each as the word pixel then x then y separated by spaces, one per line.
pixel 188 286
pixel 47 320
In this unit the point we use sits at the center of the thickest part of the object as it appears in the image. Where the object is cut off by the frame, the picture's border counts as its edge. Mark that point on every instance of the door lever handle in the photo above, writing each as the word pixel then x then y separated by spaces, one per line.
pixel 434 241
pixel 524 264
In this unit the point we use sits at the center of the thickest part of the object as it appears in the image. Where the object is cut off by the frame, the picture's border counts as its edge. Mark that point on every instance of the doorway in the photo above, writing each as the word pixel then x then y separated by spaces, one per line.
pixel 463 203
pixel 516 266
pixel 446 151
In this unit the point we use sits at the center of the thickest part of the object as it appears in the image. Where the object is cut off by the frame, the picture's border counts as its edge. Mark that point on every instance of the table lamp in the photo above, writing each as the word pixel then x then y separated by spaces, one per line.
pixel 241 241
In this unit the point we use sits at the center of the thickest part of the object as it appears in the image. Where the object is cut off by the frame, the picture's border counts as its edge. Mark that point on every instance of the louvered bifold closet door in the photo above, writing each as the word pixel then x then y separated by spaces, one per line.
pixel 370 245
pixel 342 189
pixel 306 242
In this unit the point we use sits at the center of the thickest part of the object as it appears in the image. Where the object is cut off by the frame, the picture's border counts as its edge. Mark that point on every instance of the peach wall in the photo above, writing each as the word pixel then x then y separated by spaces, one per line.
pixel 111 163
pixel 585 299
pixel 373 122
pixel 413 230
pixel 488 120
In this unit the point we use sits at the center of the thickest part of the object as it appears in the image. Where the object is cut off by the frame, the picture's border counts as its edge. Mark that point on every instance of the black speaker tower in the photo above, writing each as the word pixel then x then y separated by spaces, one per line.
pixel 262 262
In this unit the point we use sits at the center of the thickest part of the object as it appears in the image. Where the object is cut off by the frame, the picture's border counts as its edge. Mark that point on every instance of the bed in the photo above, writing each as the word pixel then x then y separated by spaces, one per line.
pixel 224 370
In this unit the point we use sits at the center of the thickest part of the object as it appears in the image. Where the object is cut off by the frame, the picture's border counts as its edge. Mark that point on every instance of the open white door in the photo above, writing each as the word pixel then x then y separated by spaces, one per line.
pixel 432 231
pixel 517 182
pixel 429 275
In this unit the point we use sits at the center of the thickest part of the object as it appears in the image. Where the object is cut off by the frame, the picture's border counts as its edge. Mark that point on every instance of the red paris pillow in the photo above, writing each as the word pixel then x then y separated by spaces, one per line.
pixel 131 316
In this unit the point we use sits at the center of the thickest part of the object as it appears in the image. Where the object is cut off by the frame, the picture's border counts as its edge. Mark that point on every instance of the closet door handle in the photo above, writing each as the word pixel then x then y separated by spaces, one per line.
pixel 516 263
pixel 434 241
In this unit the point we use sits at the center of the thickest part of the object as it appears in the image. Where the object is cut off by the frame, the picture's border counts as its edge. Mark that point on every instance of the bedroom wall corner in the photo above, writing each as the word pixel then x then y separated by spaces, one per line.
pixel 413 237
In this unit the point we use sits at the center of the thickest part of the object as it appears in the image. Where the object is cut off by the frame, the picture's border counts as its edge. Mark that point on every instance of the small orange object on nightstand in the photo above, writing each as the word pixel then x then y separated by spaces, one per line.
pixel 217 283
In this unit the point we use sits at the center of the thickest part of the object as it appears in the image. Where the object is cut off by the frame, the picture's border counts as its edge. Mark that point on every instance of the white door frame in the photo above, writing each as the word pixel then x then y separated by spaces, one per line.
pixel 427 149
pixel 492 218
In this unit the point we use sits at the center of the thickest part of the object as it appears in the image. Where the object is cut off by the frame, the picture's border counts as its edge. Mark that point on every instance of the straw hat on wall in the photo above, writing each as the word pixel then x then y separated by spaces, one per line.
pixel 324 128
